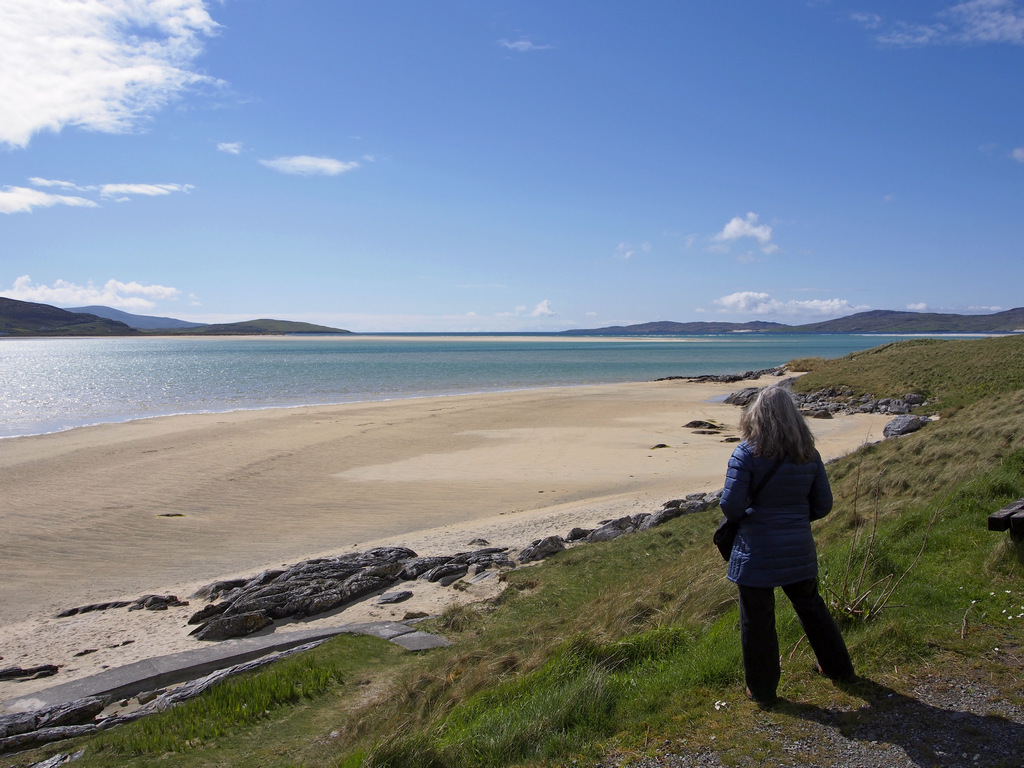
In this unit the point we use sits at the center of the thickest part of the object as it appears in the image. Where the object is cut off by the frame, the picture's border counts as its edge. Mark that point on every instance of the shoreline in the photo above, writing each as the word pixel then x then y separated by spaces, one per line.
pixel 165 505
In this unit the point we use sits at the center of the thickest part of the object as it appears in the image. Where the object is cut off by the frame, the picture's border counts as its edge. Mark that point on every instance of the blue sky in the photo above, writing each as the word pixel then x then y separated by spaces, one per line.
pixel 460 165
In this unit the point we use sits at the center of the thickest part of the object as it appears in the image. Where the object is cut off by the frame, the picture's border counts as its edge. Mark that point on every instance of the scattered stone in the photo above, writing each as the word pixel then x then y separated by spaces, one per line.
pixel 93 607
pixel 479 543
pixel 211 610
pixel 729 378
pixel 612 530
pixel 328 583
pixel 226 627
pixel 541 549
pixel 59 759
pixel 743 397
pixel 148 696
pixel 904 425
pixel 698 424
pixel 394 597
pixel 157 603
pixel 578 534
pixel 71 713
pixel 446 571
pixel 31 673
pixel 86 652
pixel 149 602
pixel 826 403
pixel 659 445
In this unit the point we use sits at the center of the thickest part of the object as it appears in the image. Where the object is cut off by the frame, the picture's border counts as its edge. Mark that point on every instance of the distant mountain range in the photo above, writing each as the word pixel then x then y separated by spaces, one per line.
pixel 141 322
pixel 875 321
pixel 24 318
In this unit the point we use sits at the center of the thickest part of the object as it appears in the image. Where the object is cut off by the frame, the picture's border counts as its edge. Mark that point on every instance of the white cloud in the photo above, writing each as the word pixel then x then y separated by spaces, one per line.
pixel 988 21
pixel 542 310
pixel 748 226
pixel 759 303
pixel 626 251
pixel 150 190
pixel 970 22
pixel 231 147
pixel 35 181
pixel 24 199
pixel 523 45
pixel 869 20
pixel 748 302
pixel 304 165
pixel 104 65
pixel 114 293
pixel 1018 154
pixel 919 306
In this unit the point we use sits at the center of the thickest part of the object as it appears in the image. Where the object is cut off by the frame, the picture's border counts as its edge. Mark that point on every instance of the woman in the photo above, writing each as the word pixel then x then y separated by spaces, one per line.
pixel 778 466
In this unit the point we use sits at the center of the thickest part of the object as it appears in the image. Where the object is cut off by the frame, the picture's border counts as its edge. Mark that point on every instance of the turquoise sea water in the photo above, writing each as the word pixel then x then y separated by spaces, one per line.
pixel 48 385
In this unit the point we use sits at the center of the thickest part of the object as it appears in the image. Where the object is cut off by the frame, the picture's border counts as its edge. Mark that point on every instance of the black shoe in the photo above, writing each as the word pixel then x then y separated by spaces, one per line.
pixel 762 703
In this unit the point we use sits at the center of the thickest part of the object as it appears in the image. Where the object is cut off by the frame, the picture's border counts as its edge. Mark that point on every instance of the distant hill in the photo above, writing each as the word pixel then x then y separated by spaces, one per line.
pixel 142 322
pixel 25 318
pixel 887 321
pixel 875 321
pixel 669 327
pixel 257 327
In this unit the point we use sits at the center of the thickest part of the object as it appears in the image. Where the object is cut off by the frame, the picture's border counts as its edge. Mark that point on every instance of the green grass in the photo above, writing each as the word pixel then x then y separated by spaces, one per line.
pixel 272 717
pixel 622 646
pixel 949 372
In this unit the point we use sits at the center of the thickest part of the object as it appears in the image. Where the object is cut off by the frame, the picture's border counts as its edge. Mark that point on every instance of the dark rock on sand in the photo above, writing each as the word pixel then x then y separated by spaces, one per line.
pixel 743 397
pixel 147 602
pixel 578 534
pixel 541 549
pixel 904 425
pixel 394 597
pixel 443 573
pixel 239 625
pixel 29 673
pixel 323 584
pixel 207 613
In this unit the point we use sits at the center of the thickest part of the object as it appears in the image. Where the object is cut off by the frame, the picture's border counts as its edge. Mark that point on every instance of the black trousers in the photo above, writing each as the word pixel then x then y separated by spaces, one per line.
pixel 761 643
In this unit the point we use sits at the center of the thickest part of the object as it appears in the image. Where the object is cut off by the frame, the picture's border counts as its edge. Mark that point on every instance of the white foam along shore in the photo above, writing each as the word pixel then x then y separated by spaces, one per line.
pixel 164 506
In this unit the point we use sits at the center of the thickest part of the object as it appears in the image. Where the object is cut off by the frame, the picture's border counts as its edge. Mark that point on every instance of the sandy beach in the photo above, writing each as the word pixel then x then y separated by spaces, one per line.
pixel 164 506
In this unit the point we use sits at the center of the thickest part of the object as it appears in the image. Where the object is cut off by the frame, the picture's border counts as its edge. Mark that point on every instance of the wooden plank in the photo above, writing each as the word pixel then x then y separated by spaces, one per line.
pixel 1017 523
pixel 1000 521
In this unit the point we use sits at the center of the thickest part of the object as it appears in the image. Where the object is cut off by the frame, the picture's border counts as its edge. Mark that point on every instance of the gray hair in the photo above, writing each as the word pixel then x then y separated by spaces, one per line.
pixel 774 427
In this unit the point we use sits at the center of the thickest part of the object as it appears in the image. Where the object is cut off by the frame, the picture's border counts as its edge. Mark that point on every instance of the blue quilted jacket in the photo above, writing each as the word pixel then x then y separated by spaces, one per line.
pixel 774 545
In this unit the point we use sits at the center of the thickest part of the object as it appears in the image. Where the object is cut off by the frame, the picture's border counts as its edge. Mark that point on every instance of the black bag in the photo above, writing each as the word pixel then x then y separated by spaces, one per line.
pixel 725 533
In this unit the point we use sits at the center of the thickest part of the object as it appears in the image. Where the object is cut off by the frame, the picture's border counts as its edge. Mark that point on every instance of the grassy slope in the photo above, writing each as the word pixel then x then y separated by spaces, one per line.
pixel 628 645
pixel 23 318
pixel 949 372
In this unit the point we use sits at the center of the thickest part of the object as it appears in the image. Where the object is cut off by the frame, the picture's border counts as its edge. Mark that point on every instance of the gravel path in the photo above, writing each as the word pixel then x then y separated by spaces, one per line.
pixel 940 722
